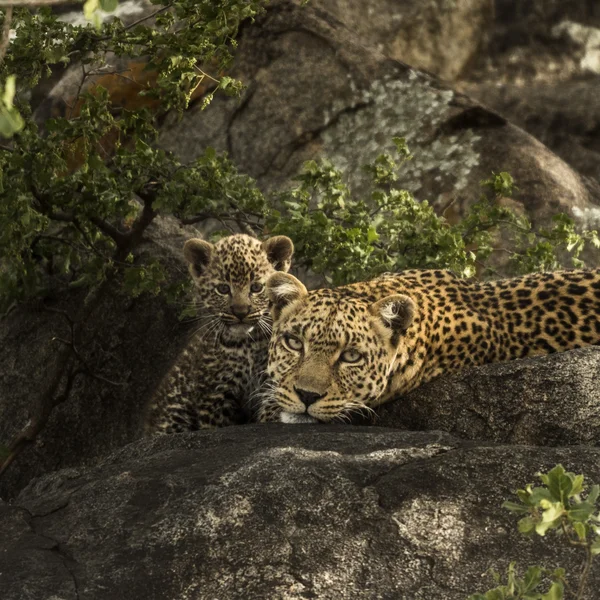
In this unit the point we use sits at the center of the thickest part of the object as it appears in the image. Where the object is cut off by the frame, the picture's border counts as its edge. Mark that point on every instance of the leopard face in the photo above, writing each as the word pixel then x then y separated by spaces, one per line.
pixel 332 351
pixel 230 278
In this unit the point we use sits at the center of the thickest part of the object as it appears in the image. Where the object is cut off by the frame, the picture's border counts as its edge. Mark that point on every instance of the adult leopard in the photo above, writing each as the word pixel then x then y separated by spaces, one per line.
pixel 335 351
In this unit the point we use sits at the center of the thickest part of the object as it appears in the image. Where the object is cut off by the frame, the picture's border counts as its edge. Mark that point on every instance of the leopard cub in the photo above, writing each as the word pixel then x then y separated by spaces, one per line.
pixel 212 381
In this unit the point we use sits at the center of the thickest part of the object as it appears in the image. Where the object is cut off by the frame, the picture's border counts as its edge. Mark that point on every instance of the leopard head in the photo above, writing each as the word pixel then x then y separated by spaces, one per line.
pixel 230 278
pixel 332 350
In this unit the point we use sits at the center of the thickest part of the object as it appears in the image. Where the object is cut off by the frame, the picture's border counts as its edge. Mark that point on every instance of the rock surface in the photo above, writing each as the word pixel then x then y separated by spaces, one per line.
pixel 127 340
pixel 439 36
pixel 551 400
pixel 280 512
pixel 292 54
pixel 541 70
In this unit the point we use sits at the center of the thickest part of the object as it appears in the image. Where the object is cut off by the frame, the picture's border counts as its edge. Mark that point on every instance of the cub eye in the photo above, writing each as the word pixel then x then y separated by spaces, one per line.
pixel 257 287
pixel 351 356
pixel 293 343
pixel 223 289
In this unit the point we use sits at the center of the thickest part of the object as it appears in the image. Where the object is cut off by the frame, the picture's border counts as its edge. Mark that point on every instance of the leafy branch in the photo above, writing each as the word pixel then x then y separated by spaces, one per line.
pixel 561 505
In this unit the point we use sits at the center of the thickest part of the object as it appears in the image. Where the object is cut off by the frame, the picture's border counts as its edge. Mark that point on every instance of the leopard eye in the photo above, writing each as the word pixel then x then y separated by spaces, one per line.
pixel 223 289
pixel 351 356
pixel 257 287
pixel 292 343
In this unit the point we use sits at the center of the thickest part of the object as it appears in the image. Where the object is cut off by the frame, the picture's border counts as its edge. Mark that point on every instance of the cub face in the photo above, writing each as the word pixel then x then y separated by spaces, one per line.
pixel 332 351
pixel 230 278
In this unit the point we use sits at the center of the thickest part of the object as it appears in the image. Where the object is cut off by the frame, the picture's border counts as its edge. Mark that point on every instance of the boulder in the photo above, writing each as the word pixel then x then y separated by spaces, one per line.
pixel 439 36
pixel 129 341
pixel 552 400
pixel 315 91
pixel 273 511
pixel 565 116
pixel 540 71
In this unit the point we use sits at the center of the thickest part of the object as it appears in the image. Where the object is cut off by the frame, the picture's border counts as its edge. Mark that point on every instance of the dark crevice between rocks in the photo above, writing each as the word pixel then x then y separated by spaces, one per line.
pixel 374 480
pixel 307 137
pixel 307 583
pixel 475 117
pixel 57 548
pixel 239 109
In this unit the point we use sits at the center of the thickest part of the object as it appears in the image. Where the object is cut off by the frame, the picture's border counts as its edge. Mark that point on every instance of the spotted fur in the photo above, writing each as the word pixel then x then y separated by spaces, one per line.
pixel 337 351
pixel 212 382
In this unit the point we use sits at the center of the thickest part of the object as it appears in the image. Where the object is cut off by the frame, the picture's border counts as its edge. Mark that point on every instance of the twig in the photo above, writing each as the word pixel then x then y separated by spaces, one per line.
pixel 585 573
pixel 71 343
pixel 204 74
pixel 34 3
pixel 75 98
pixel 5 41
pixel 49 399
pixel 47 403
pixel 141 20
pixel 85 367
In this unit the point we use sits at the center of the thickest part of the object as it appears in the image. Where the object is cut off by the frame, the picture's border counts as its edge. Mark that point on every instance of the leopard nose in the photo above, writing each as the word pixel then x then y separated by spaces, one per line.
pixel 240 311
pixel 307 397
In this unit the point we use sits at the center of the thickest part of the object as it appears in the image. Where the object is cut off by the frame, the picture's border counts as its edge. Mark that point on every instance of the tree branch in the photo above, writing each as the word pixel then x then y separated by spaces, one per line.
pixel 63 367
pixel 33 3
pixel 5 41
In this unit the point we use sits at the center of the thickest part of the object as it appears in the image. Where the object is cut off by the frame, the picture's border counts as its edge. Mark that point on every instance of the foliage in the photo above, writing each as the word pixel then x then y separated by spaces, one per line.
pixel 561 504
pixel 526 587
pixel 78 191
pixel 391 231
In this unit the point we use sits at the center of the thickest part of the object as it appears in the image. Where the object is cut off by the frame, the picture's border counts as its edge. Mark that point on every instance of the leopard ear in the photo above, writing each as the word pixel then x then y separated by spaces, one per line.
pixel 198 253
pixel 283 289
pixel 396 314
pixel 279 251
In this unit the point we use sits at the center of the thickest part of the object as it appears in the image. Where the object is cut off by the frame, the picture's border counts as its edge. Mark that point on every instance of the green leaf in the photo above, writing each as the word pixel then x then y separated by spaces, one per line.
pixel 526 525
pixel 581 511
pixel 89 8
pixel 532 578
pixel 514 507
pixel 9 91
pixel 109 5
pixel 556 592
pixel 11 122
pixel 559 483
pixel 580 530
pixel 594 493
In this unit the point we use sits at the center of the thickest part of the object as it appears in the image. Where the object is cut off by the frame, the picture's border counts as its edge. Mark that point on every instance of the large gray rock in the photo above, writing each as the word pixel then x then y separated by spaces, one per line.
pixel 439 36
pixel 552 400
pixel 280 512
pixel 127 340
pixel 541 71
pixel 565 116
pixel 315 91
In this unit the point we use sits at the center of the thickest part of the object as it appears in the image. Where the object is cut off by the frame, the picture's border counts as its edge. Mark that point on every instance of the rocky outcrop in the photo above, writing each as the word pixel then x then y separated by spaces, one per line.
pixel 129 341
pixel 314 90
pixel 551 400
pixel 540 70
pixel 281 512
pixel 439 36
pixel 284 117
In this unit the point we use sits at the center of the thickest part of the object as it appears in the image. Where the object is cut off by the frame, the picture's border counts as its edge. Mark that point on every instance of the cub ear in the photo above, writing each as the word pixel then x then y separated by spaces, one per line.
pixel 396 314
pixel 279 251
pixel 198 253
pixel 283 289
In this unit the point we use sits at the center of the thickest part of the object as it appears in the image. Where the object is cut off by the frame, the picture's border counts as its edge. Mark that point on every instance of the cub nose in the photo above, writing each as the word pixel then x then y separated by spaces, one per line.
pixel 240 311
pixel 307 397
